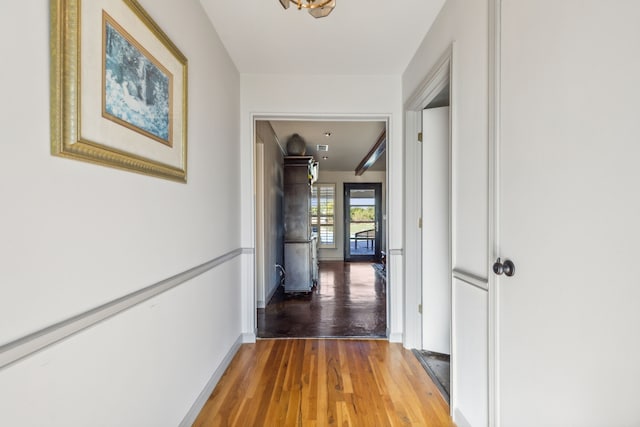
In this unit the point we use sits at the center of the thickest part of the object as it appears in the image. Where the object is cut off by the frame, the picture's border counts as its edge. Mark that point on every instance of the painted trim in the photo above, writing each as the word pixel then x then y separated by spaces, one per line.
pixel 441 73
pixel 411 230
pixel 432 84
pixel 248 280
pixel 461 421
pixel 197 406
pixel 249 338
pixel 260 245
pixel 470 279
pixel 395 337
pixel 493 241
pixel 32 343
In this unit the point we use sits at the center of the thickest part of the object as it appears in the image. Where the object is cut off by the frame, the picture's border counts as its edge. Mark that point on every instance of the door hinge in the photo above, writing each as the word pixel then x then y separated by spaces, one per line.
pixel 420 308
pixel 420 222
pixel 420 136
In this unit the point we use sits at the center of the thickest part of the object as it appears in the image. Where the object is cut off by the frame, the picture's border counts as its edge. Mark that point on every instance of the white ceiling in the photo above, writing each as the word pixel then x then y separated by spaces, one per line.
pixel 348 144
pixel 358 37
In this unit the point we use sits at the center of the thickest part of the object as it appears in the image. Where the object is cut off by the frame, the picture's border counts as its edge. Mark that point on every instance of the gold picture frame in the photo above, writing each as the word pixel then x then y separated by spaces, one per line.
pixel 118 89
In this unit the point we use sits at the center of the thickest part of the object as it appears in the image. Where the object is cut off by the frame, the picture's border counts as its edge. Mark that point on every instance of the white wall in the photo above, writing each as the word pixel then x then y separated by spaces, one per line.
pixel 464 23
pixel 329 96
pixel 339 179
pixel 77 235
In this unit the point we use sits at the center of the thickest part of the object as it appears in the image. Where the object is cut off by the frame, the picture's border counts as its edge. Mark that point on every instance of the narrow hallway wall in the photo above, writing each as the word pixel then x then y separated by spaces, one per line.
pixel 77 235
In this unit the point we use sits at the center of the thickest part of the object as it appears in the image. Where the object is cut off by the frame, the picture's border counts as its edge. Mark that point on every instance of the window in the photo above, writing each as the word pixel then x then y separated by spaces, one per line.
pixel 323 198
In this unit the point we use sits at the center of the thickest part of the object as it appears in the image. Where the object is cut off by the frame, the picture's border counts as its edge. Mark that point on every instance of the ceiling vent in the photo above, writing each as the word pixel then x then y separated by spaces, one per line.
pixel 322 147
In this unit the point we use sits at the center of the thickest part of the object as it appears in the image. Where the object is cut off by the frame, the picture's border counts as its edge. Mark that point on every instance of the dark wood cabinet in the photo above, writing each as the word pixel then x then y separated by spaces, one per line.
pixel 299 244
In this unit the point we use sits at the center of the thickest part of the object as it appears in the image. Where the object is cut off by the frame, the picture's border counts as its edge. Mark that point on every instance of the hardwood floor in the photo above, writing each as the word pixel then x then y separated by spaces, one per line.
pixel 324 382
pixel 349 301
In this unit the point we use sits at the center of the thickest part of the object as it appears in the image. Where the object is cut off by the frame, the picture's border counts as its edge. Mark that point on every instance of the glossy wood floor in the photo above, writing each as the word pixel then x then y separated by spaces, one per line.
pixel 324 382
pixel 349 301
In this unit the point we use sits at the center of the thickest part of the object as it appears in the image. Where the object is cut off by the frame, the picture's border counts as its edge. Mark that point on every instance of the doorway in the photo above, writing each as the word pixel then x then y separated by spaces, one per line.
pixel 329 308
pixel 435 353
pixel 470 290
pixel 362 221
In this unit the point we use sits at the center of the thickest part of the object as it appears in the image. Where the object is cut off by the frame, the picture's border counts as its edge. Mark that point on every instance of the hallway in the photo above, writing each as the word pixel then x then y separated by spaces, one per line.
pixel 349 301
pixel 324 382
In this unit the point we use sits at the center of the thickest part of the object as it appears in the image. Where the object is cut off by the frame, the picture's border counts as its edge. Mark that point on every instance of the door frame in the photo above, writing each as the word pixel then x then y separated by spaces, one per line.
pixel 436 80
pixel 431 86
pixel 249 274
pixel 493 240
pixel 379 223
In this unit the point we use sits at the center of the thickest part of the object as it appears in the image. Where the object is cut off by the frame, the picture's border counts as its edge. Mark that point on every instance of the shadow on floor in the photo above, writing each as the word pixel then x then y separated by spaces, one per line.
pixel 437 366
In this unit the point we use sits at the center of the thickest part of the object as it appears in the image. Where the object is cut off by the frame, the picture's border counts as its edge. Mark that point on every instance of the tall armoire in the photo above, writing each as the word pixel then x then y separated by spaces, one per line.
pixel 299 243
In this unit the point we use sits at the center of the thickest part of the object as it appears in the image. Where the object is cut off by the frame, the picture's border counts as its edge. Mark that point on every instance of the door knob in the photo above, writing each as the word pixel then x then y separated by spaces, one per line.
pixel 507 267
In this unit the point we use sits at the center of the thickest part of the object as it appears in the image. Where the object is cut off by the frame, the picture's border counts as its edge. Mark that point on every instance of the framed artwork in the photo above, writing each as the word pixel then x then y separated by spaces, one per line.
pixel 118 89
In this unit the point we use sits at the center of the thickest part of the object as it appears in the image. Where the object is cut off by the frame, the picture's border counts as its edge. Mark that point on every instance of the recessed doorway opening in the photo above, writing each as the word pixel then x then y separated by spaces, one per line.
pixel 349 298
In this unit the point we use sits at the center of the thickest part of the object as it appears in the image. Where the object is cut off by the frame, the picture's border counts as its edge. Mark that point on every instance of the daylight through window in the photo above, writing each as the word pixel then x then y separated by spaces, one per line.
pixel 323 214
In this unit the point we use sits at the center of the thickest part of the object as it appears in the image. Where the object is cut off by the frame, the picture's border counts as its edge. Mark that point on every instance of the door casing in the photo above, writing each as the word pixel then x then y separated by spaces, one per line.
pixel 443 72
pixel 394 256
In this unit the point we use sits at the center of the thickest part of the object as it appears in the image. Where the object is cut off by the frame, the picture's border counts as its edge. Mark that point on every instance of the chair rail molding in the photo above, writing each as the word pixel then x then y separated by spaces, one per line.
pixel 37 341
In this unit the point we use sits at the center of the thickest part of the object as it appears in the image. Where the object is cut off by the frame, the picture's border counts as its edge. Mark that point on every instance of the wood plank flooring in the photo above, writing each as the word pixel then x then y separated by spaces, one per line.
pixel 324 382
pixel 349 301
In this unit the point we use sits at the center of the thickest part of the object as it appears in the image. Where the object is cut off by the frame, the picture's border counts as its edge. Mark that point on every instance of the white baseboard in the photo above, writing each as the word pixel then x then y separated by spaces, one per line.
pixel 248 338
pixel 197 406
pixel 460 420
pixel 271 292
pixel 321 258
pixel 395 337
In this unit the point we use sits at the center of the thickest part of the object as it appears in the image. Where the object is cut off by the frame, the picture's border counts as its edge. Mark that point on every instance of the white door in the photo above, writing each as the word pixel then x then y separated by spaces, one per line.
pixel 436 265
pixel 569 214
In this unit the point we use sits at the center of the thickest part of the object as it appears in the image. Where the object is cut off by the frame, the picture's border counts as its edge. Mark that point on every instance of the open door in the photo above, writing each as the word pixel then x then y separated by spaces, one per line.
pixel 436 247
pixel 436 264
pixel 362 221
pixel 467 224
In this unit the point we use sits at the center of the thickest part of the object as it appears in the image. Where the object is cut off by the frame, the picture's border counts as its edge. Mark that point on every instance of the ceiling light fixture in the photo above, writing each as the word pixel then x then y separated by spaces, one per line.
pixel 327 134
pixel 317 8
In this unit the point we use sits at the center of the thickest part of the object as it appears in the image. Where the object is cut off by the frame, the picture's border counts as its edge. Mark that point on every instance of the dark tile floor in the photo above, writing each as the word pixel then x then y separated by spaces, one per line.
pixel 349 301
